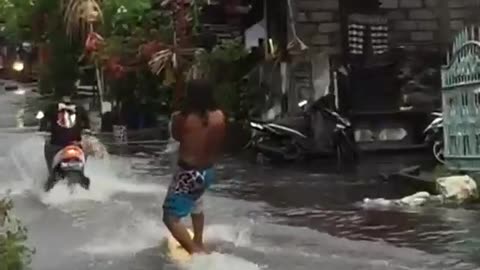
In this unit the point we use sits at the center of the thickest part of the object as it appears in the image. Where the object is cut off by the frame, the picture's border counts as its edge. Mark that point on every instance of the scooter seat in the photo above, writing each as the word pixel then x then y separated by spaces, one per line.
pixel 260 121
pixel 298 123
pixel 295 122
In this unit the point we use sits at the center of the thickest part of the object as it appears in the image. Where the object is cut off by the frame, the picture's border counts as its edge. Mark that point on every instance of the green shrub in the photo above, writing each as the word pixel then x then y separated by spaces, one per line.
pixel 14 253
pixel 226 65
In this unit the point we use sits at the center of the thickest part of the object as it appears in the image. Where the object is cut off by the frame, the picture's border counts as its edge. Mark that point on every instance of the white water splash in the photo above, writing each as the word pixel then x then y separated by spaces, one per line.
pixel 239 235
pixel 28 160
pixel 218 261
pixel 104 184
pixel 143 233
pixel 28 165
pixel 139 234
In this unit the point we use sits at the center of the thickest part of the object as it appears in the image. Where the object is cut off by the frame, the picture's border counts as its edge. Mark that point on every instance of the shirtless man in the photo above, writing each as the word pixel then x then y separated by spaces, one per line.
pixel 200 129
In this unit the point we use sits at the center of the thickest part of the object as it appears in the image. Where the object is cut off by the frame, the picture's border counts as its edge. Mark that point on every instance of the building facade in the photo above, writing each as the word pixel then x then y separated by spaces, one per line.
pixel 320 23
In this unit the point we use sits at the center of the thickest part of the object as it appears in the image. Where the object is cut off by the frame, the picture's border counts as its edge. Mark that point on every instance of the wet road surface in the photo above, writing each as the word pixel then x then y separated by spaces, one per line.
pixel 258 217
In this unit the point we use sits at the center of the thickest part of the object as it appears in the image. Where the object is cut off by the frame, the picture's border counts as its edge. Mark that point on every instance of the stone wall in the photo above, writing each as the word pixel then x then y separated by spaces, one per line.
pixel 421 22
pixel 412 22
pixel 318 23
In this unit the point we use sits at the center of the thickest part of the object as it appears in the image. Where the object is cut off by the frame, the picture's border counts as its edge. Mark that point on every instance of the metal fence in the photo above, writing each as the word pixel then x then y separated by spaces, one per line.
pixel 461 101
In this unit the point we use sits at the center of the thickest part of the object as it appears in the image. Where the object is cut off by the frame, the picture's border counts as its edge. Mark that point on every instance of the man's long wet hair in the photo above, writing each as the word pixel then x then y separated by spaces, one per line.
pixel 199 99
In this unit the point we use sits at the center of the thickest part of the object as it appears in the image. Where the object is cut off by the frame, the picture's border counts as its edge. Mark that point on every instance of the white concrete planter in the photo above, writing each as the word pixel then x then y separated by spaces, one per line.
pixel 120 134
pixel 95 121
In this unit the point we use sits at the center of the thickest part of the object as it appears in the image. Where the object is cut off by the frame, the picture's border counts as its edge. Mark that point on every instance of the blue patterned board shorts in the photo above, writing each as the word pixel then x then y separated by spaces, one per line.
pixel 184 195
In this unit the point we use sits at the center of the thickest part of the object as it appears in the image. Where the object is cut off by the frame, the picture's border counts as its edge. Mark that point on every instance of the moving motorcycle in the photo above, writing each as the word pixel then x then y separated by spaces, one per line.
pixel 434 137
pixel 317 131
pixel 68 164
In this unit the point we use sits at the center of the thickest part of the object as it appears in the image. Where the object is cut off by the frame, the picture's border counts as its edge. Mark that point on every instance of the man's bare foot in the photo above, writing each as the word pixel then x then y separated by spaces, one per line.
pixel 206 250
pixel 201 249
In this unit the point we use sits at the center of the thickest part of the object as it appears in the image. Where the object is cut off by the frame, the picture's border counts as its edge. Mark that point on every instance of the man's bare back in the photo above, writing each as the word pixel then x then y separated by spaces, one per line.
pixel 201 141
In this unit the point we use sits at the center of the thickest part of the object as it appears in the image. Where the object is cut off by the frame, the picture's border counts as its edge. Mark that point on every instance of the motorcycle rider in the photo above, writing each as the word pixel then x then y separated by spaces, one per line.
pixel 65 121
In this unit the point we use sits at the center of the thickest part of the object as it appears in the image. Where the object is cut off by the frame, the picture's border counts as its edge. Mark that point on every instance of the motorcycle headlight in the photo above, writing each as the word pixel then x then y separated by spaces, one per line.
pixel 302 103
pixel 40 115
pixel 18 65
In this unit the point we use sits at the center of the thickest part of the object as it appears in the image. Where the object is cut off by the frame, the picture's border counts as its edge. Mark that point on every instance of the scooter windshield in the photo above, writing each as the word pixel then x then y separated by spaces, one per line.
pixel 66 118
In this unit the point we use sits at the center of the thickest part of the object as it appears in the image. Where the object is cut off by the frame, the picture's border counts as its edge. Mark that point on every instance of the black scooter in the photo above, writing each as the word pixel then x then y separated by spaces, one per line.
pixel 316 132
pixel 68 163
pixel 434 137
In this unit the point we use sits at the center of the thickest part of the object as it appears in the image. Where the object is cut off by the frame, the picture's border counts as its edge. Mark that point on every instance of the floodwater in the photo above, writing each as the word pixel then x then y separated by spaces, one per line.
pixel 258 217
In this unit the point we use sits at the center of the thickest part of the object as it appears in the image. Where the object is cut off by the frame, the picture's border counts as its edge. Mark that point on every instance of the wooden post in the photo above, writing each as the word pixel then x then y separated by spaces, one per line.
pixel 277 29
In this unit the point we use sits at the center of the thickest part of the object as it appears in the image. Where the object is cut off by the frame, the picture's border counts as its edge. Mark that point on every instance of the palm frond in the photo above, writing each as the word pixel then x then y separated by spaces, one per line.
pixel 79 15
pixel 160 59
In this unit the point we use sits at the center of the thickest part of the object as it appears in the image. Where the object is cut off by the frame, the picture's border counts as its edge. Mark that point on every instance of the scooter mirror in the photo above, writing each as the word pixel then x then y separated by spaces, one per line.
pixel 302 103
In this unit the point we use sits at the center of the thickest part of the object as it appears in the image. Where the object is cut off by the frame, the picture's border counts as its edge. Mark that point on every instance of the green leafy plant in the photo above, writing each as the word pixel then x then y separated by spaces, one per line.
pixel 225 65
pixel 121 17
pixel 14 253
pixel 17 18
pixel 41 22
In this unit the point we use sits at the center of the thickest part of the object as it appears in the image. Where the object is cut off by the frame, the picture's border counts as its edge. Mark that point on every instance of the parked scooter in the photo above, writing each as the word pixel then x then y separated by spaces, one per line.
pixel 317 131
pixel 434 137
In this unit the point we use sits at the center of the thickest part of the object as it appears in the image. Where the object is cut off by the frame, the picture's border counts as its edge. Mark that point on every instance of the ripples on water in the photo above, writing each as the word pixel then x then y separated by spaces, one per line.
pixel 330 204
pixel 118 218
pixel 117 225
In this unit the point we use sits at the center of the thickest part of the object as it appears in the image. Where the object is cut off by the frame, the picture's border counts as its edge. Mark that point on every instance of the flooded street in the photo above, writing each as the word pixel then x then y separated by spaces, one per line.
pixel 258 217
pixel 334 204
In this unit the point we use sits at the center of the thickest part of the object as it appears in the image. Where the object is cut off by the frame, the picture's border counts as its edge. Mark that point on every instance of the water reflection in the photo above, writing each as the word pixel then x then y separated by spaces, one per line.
pixel 329 203
pixel 310 196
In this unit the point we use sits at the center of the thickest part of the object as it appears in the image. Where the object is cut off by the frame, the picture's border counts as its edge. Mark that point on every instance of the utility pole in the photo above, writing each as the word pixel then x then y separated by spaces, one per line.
pixel 277 28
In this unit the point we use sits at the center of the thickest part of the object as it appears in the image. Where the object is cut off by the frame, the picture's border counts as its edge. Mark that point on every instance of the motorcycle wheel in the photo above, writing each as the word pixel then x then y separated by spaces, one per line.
pixel 292 152
pixel 76 177
pixel 51 181
pixel 275 150
pixel 438 151
pixel 347 152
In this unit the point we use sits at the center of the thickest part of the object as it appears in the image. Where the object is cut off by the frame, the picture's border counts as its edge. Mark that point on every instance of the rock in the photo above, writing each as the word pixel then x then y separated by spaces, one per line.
pixel 457 189
pixel 417 199
pixel 460 188
pixel 374 203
